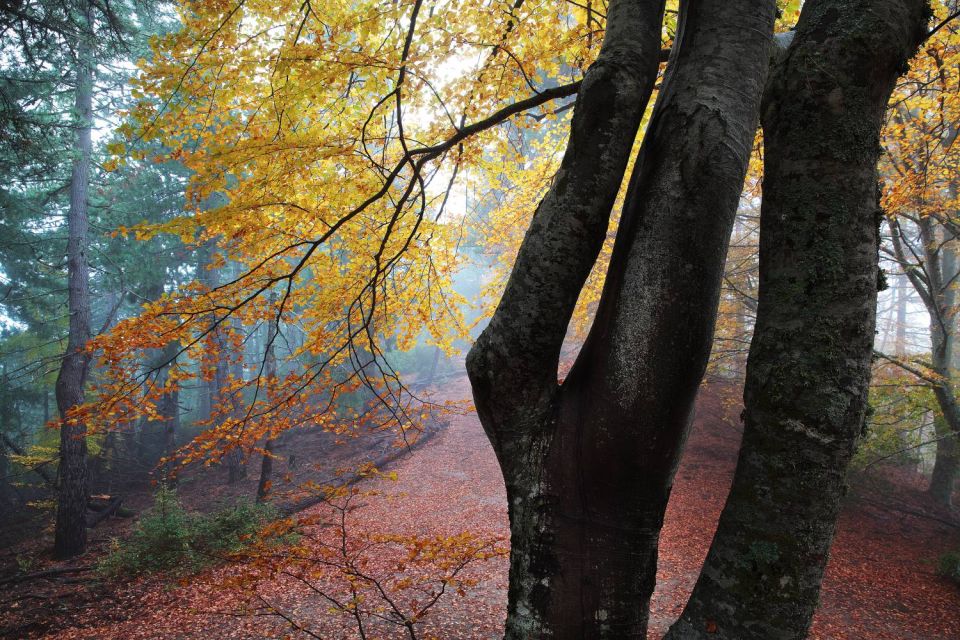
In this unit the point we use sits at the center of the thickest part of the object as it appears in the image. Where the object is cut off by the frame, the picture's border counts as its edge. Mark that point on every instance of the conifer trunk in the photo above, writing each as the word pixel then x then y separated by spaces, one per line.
pixel 70 536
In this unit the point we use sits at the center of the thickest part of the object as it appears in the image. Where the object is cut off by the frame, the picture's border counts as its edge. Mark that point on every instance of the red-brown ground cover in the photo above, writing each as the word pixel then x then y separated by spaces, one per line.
pixel 880 583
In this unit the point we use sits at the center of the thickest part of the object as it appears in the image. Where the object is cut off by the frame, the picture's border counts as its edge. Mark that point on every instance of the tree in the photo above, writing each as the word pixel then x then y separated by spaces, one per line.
pixel 808 371
pixel 270 372
pixel 589 463
pixel 331 209
pixel 71 529
pixel 933 277
pixel 921 203
pixel 54 86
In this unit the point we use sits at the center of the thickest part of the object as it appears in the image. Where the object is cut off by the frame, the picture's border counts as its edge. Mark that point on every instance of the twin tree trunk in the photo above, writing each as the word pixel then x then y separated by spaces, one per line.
pixel 70 536
pixel 589 464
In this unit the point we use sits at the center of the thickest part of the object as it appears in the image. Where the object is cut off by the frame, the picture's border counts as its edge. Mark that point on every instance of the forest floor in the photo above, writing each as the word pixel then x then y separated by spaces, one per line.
pixel 880 582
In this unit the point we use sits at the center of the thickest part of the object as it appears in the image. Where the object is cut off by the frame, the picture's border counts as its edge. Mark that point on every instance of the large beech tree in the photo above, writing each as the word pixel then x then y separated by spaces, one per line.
pixel 589 462
pixel 318 182
pixel 809 366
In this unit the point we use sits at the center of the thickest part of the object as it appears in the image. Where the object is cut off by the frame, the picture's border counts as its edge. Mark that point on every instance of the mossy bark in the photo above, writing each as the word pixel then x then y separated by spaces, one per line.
pixel 809 365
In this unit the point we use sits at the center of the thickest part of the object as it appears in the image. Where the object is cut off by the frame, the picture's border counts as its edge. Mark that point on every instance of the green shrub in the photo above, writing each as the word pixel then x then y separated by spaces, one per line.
pixel 226 530
pixel 168 538
pixel 949 567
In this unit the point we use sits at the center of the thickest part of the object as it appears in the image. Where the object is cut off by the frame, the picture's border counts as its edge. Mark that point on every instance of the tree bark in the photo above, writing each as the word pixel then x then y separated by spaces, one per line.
pixel 588 464
pixel 70 536
pixel 809 365
pixel 943 328
pixel 158 437
pixel 900 345
pixel 207 393
pixel 270 374
pixel 6 427
pixel 236 464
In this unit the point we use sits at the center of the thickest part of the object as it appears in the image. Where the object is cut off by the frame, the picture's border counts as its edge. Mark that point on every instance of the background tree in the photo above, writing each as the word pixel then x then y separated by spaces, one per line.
pixel 57 87
pixel 921 205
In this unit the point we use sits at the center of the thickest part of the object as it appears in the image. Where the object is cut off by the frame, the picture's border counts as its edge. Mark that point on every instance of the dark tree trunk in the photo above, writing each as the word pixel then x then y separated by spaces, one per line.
pixel 70 536
pixel 266 470
pixel 270 374
pixel 6 489
pixel 589 464
pixel 809 366
pixel 946 466
pixel 207 393
pixel 6 411
pixel 236 464
pixel 158 437
pixel 169 410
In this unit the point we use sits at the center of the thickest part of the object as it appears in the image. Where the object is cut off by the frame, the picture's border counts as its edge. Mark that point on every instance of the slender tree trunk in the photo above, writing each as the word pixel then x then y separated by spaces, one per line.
pixel 216 399
pixel 70 536
pixel 207 393
pixel 933 280
pixel 169 410
pixel 588 465
pixel 236 465
pixel 946 466
pixel 158 436
pixel 809 366
pixel 6 411
pixel 6 489
pixel 270 374
pixel 900 345
pixel 941 255
pixel 434 363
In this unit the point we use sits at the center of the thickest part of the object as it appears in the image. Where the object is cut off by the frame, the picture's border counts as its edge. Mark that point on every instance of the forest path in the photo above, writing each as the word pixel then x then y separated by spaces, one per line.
pixel 880 582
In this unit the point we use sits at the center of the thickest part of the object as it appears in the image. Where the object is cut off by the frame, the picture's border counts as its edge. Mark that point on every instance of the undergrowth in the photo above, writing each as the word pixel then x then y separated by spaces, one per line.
pixel 949 567
pixel 169 538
